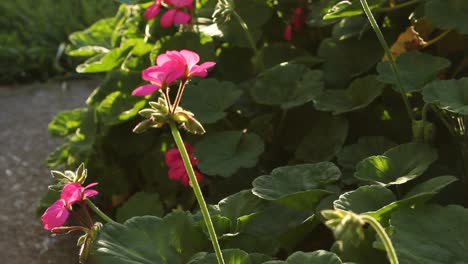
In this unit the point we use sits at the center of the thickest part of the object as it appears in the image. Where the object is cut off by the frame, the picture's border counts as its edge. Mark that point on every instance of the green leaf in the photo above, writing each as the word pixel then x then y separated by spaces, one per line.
pixel 93 40
pixel 140 204
pixel 209 98
pixel 350 8
pixel 118 107
pixel 223 153
pixel 448 14
pixel 130 2
pixel 416 69
pixel 254 13
pixel 278 53
pixel 419 194
pixel 316 257
pixel 397 165
pixel 350 27
pixel 66 122
pixel 231 256
pixel 431 234
pixel 451 95
pixel 300 186
pixel 343 59
pixel 149 240
pixel 199 43
pixel 365 199
pixel 287 85
pixel 365 147
pixel 104 62
pixel 324 140
pixel 359 94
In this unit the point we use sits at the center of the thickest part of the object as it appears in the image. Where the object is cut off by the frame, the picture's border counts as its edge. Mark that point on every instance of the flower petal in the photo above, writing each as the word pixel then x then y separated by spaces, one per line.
pixel 173 157
pixel 153 10
pixel 179 3
pixel 287 35
pixel 56 215
pixel 89 193
pixel 154 74
pixel 168 18
pixel 182 17
pixel 191 58
pixel 71 193
pixel 145 89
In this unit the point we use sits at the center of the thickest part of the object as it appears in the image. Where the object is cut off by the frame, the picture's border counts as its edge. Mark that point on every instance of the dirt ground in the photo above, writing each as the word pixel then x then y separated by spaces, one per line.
pixel 25 112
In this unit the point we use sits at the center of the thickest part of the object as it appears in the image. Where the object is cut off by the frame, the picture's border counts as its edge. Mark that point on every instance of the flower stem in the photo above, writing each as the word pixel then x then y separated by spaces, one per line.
pixel 396 7
pixel 393 65
pixel 391 253
pixel 99 212
pixel 180 91
pixel 198 193
pixel 439 37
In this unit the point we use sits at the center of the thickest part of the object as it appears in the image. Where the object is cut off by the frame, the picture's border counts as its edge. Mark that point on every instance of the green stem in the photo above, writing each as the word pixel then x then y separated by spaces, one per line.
pixel 434 40
pixel 246 30
pixel 391 253
pixel 99 212
pixel 393 65
pixel 396 7
pixel 424 111
pixel 196 189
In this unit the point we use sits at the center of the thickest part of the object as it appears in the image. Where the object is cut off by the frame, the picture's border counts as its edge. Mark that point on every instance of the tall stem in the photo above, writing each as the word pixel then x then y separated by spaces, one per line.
pixel 196 189
pixel 99 212
pixel 393 65
pixel 391 253
pixel 396 7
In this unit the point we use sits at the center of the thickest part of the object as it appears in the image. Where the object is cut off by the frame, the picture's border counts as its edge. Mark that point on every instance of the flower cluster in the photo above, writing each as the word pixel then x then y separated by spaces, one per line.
pixel 171 66
pixel 57 214
pixel 176 165
pixel 176 15
pixel 297 22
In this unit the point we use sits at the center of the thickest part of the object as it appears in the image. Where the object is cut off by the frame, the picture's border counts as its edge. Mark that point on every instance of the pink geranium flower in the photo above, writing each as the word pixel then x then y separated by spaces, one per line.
pixel 188 60
pixel 297 22
pixel 176 165
pixel 153 10
pixel 177 15
pixel 57 214
pixel 159 76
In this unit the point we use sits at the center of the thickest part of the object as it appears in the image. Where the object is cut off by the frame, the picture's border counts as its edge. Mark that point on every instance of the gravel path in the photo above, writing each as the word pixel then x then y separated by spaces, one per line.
pixel 25 112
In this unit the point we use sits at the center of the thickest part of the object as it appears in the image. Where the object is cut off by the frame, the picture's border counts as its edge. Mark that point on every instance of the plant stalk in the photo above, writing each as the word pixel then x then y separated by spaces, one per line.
pixel 396 7
pixel 393 65
pixel 391 253
pixel 196 189
pixel 99 212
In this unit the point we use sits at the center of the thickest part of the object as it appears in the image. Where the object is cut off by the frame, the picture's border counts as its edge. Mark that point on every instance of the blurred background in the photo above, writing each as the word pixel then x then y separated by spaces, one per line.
pixel 37 80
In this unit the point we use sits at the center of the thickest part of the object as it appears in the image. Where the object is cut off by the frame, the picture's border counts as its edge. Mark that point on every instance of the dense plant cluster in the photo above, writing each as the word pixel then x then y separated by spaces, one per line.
pixel 318 132
pixel 31 34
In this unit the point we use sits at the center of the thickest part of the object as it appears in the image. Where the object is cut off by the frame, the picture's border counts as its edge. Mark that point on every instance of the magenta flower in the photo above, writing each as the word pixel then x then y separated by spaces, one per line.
pixel 153 10
pixel 57 214
pixel 159 76
pixel 188 60
pixel 297 22
pixel 177 15
pixel 176 165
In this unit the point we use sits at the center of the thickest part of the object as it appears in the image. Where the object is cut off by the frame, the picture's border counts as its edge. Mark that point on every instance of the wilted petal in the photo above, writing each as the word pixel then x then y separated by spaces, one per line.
pixel 56 215
pixel 168 18
pixel 145 90
pixel 182 17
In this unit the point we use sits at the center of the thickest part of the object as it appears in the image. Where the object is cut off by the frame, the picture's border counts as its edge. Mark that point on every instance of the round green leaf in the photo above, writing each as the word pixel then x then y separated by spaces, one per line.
pixel 316 257
pixel 323 141
pixel 231 256
pixel 431 234
pixel 451 95
pixel 140 204
pixel 223 153
pixel 118 107
pixel 365 147
pixel 278 53
pixel 149 240
pixel 397 165
pixel 209 98
pixel 299 186
pixel 66 122
pixel 365 199
pixel 287 85
pixel 350 27
pixel 416 69
pixel 448 14
pixel 359 94
pixel 419 194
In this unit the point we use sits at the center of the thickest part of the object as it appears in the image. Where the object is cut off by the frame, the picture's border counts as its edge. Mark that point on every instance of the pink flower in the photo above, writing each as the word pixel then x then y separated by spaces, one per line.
pixel 188 60
pixel 297 22
pixel 176 165
pixel 56 215
pixel 153 10
pixel 169 67
pixel 177 15
pixel 159 76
